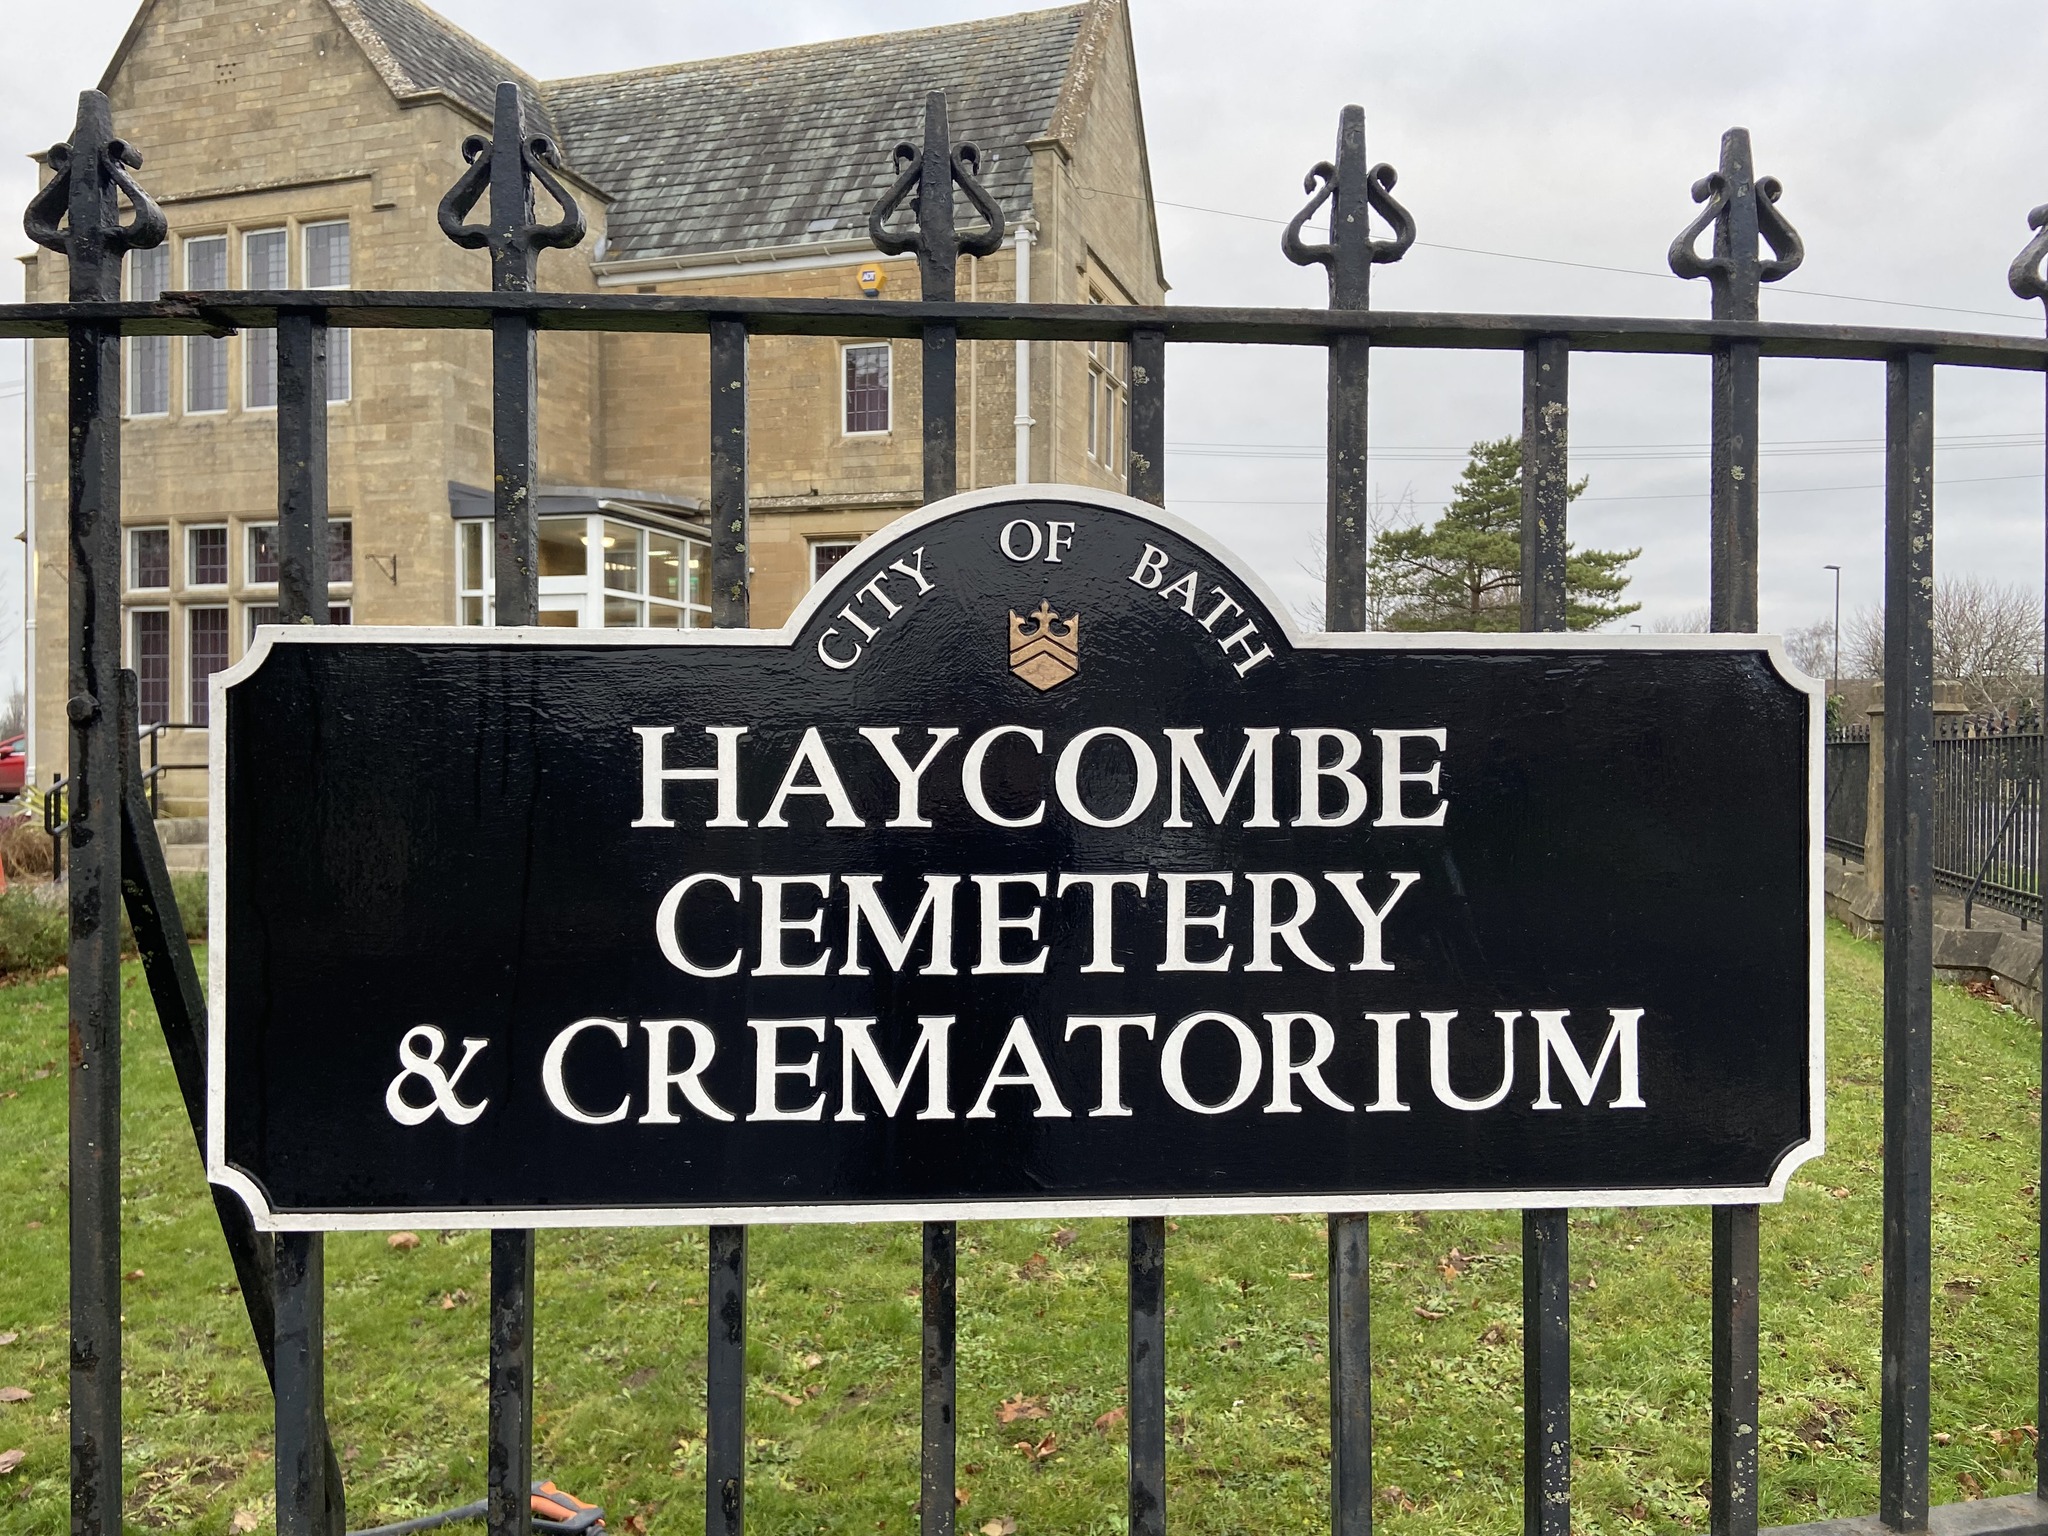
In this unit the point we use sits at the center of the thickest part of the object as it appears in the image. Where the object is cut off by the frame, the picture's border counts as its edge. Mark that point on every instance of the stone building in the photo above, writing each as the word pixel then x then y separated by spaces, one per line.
pixel 306 144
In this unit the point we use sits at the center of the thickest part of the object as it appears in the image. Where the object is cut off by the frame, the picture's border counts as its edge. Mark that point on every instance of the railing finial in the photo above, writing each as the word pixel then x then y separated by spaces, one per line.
pixel 2028 274
pixel 1352 252
pixel 1742 207
pixel 508 163
pixel 937 241
pixel 78 211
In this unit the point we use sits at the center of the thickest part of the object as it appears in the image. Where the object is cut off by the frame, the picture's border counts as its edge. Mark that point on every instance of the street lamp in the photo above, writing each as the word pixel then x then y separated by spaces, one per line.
pixel 1835 668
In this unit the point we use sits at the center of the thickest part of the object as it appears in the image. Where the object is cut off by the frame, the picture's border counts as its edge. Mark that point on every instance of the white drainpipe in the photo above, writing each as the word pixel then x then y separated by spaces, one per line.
pixel 1022 250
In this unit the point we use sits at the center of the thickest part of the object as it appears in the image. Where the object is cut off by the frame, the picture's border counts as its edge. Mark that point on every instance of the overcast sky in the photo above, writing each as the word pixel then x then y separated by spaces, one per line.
pixel 1911 140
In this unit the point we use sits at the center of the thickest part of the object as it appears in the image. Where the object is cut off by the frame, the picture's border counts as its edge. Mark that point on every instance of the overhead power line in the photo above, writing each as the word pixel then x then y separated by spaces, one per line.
pixel 1764 490
pixel 1817 447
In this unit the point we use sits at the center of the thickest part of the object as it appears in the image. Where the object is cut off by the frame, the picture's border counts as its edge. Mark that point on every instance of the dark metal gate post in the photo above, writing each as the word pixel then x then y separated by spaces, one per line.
pixel 302 537
pixel 2028 279
pixel 930 171
pixel 1741 209
pixel 89 175
pixel 1909 936
pixel 303 1459
pixel 1546 1234
pixel 1351 188
pixel 507 164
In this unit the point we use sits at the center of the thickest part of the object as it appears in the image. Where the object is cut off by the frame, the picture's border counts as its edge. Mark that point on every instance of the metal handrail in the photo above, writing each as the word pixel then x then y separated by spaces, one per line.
pixel 56 823
pixel 156 769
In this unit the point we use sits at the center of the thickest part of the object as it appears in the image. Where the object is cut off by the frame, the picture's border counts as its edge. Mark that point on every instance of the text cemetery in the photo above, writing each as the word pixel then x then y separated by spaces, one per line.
pixel 1036 863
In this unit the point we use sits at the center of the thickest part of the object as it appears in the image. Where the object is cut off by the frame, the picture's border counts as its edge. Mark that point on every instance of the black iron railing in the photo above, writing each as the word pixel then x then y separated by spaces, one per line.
pixel 1848 789
pixel 1987 818
pixel 79 213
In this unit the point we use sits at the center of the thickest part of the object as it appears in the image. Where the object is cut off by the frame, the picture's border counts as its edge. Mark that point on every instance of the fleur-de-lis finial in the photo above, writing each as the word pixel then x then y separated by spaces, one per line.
pixel 932 172
pixel 1742 208
pixel 2028 274
pixel 508 163
pixel 1352 252
pixel 78 210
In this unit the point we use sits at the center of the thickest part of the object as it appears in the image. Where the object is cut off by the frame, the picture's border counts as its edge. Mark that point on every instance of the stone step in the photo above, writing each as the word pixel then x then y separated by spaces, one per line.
pixel 181 829
pixel 181 857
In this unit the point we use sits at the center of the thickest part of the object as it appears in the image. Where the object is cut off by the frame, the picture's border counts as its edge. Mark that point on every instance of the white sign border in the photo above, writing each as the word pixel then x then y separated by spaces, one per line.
pixel 220 1172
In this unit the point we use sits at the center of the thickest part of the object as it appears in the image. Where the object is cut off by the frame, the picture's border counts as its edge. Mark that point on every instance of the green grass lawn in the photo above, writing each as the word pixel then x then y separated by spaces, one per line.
pixel 832 1411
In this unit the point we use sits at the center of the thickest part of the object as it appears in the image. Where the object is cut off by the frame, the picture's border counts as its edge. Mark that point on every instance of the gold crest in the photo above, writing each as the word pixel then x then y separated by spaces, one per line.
pixel 1045 649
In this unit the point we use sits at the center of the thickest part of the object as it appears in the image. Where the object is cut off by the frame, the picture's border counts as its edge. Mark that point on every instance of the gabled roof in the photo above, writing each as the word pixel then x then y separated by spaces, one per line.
pixel 793 146
pixel 420 54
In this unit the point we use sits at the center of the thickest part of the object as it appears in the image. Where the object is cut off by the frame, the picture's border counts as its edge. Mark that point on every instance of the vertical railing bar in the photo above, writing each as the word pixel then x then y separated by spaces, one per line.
pixel 1732 1484
pixel 1145 470
pixel 937 1342
pixel 1546 1234
pixel 2040 810
pixel 303 1458
pixel 731 583
pixel 302 551
pixel 508 1494
pixel 1350 1375
pixel 1909 937
pixel 725 1384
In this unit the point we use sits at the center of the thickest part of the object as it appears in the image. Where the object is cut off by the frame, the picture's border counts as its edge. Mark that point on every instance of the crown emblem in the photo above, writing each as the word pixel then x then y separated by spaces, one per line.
pixel 1045 648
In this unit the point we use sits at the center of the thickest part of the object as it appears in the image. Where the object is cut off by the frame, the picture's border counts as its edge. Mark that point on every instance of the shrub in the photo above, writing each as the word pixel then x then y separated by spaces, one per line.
pixel 24 847
pixel 35 922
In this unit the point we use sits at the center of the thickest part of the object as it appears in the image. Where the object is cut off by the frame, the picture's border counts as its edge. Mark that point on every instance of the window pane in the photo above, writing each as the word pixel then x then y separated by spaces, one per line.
pixel 263 554
pixel 827 553
pixel 206 357
pixel 341 551
pixel 470 578
pixel 149 273
pixel 561 546
pixel 341 613
pixel 327 256
pixel 152 656
pixel 261 614
pixel 1110 402
pixel 264 259
pixel 339 378
pixel 1094 429
pixel 149 558
pixel 559 618
pixel 209 653
pixel 621 557
pixel 698 554
pixel 867 389
pixel 664 566
pixel 149 357
pixel 262 347
pixel 661 616
pixel 206 557
pixel 206 262
pixel 472 610
pixel 621 613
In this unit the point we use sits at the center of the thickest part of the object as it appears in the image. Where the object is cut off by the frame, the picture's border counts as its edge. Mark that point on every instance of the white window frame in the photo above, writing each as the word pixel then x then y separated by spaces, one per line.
pixel 186 531
pixel 227 372
pixel 191 611
pixel 338 338
pixel 814 547
pixel 585 595
pixel 888 393
pixel 136 343
pixel 129 584
pixel 249 532
pixel 486 573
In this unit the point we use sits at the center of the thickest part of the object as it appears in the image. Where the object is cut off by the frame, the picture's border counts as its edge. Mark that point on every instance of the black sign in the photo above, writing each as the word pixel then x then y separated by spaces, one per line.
pixel 1036 865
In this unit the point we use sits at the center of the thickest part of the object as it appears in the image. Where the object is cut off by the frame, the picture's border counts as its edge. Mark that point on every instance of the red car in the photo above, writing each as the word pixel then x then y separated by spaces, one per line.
pixel 13 767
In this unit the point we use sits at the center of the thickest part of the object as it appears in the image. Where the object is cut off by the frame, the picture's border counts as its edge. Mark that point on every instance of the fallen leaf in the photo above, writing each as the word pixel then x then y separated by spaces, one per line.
pixel 9 1460
pixel 1064 1238
pixel 1300 1274
pixel 788 1399
pixel 640 1378
pixel 1495 1334
pixel 1428 1316
pixel 1231 1344
pixel 1838 1194
pixel 960 1498
pixel 637 1524
pixel 1962 1285
pixel 1943 1438
pixel 1109 1421
pixel 813 1361
pixel 15 1394
pixel 1972 1489
pixel 37 1077
pixel 1007 1526
pixel 33 1226
pixel 814 1389
pixel 1021 1407
pixel 8 1338
pixel 10 1094
pixel 450 1300
pixel 1173 1226
pixel 1394 1495
pixel 1041 1451
pixel 404 1242
pixel 1033 1268
pixel 352 1453
pixel 245 1520
pixel 133 1274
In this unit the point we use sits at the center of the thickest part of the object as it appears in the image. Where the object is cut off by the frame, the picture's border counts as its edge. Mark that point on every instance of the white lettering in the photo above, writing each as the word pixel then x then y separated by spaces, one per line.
pixel 1008 543
pixel 770 1069
pixel 662 1080
pixel 1067 777
pixel 668 925
pixel 1552 1039
pixel 419 1055
pixel 1288 930
pixel 551 1072
pixel 1392 777
pixel 1151 563
pixel 833 661
pixel 1031 1074
pixel 976 792
pixel 857 1048
pixel 1248 1063
pixel 1185 757
pixel 1440 1060
pixel 908 777
pixel 1179 921
pixel 1389 1099
pixel 1102 915
pixel 1314 770
pixel 914 572
pixel 1371 920
pixel 1112 1027
pixel 1286 1069
pixel 825 783
pixel 775 923
pixel 864 909
pixel 725 774
pixel 993 925
pixel 1055 541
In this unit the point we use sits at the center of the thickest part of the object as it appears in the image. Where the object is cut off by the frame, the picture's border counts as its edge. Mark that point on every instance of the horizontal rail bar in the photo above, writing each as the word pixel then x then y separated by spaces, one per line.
pixel 220 312
pixel 2019 1514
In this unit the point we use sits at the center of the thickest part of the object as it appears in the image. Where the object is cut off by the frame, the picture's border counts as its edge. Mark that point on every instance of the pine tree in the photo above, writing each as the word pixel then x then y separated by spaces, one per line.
pixel 1465 571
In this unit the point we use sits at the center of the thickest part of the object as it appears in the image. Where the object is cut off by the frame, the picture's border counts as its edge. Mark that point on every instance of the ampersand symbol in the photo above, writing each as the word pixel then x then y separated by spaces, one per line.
pixel 420 1051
